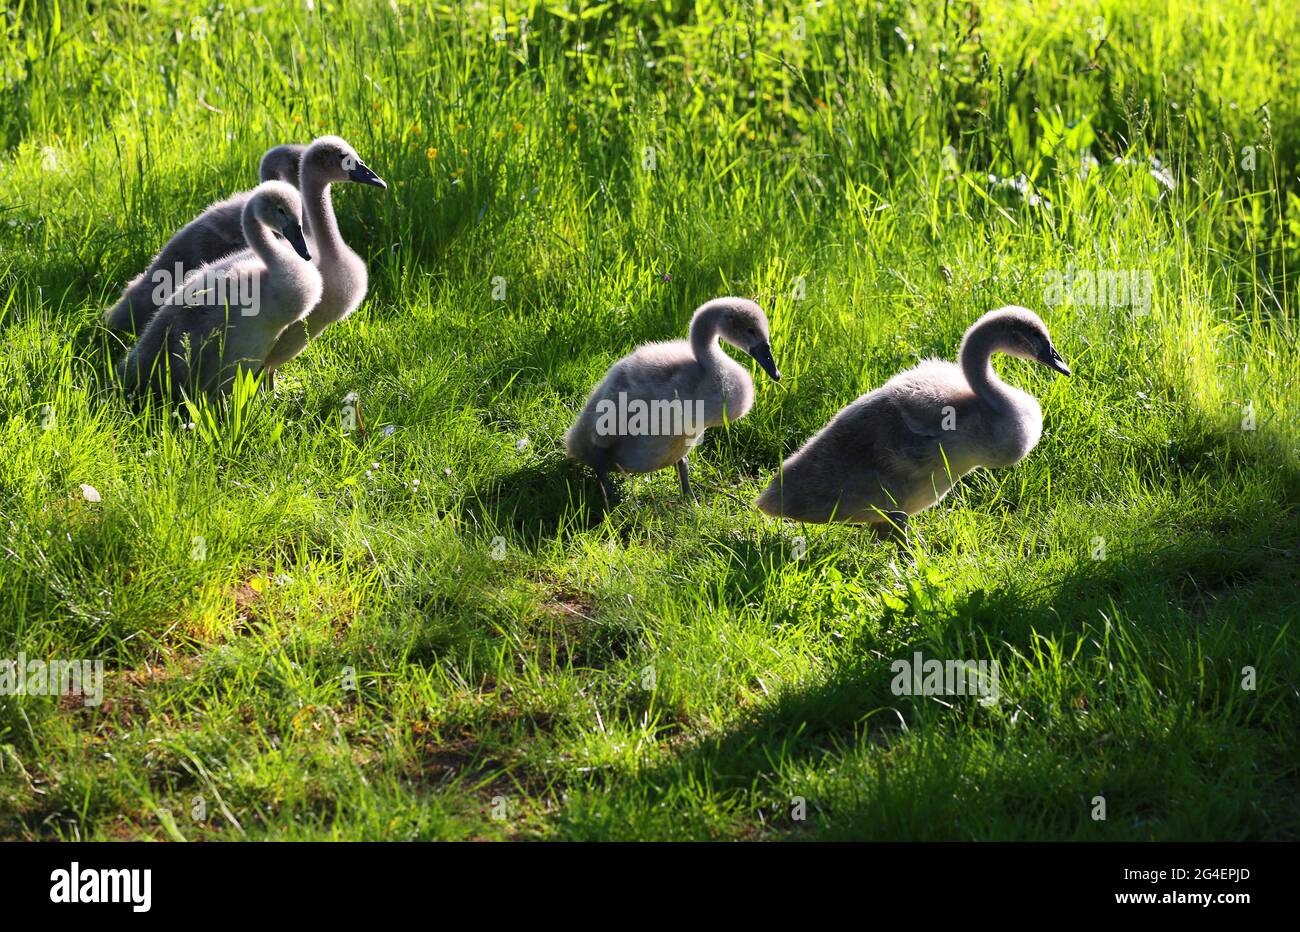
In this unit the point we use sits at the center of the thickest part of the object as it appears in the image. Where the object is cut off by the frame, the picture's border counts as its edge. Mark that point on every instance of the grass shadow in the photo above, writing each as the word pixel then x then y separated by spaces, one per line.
pixel 1129 668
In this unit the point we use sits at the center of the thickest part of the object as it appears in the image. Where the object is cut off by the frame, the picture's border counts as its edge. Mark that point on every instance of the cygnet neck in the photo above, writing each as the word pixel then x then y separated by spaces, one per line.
pixel 318 208
pixel 274 253
pixel 704 336
pixel 977 348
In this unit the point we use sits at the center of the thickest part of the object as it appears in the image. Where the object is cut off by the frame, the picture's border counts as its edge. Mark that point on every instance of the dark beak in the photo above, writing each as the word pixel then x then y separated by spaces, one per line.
pixel 762 354
pixel 362 174
pixel 1052 360
pixel 293 233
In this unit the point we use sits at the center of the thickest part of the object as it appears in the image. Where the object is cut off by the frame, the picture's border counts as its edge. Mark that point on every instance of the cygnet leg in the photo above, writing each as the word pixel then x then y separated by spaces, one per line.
pixel 894 528
pixel 602 476
pixel 685 477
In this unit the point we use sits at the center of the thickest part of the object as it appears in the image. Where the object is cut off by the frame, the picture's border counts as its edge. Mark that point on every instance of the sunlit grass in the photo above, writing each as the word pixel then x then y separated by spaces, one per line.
pixel 424 626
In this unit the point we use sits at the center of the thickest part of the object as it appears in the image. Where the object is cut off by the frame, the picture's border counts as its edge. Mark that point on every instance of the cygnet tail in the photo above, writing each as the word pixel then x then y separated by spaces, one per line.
pixel 580 439
pixel 135 309
pixel 769 500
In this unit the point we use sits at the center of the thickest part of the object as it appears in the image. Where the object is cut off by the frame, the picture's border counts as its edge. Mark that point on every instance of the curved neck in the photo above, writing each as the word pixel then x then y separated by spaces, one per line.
pixel 704 337
pixel 318 214
pixel 273 252
pixel 979 344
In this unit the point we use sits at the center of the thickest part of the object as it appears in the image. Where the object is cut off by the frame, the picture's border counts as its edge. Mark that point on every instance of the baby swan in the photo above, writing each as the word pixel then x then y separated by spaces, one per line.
pixel 280 163
pixel 216 232
pixel 327 160
pixel 225 318
pixel 898 450
pixel 654 404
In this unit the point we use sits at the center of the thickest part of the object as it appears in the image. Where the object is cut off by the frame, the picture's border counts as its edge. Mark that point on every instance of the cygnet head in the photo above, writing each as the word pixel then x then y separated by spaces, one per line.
pixel 277 205
pixel 334 160
pixel 281 163
pixel 743 324
pixel 1018 331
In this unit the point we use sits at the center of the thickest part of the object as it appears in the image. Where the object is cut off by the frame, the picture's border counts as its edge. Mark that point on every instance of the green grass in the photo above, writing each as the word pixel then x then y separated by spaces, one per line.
pixel 526 666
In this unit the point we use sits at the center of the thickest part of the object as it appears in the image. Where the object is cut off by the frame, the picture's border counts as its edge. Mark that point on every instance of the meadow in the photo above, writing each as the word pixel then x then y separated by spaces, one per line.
pixel 380 604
